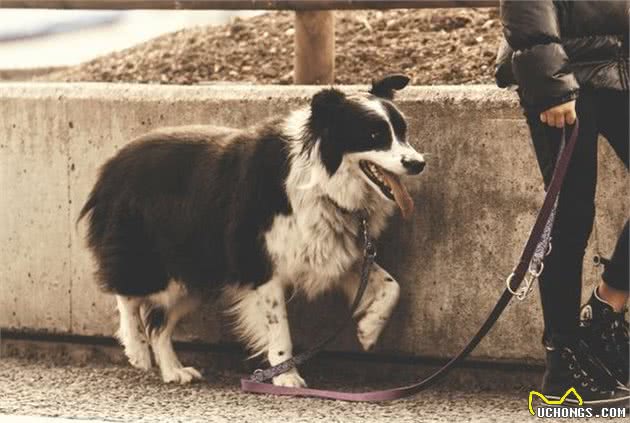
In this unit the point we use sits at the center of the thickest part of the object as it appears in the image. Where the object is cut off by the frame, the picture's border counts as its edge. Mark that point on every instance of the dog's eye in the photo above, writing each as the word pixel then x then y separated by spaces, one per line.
pixel 375 135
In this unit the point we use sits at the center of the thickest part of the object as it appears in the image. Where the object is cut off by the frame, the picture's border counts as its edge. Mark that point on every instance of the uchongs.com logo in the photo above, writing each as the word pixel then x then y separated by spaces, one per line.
pixel 569 405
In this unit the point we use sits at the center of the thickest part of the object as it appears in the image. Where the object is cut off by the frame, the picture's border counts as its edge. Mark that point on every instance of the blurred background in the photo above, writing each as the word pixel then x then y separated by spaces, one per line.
pixel 37 38
pixel 431 46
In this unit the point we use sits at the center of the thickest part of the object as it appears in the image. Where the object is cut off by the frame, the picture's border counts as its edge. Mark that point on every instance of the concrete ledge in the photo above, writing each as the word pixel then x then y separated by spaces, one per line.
pixel 476 203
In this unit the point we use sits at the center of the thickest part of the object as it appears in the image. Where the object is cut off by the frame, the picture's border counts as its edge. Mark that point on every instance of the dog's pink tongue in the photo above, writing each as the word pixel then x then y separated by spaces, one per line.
pixel 401 195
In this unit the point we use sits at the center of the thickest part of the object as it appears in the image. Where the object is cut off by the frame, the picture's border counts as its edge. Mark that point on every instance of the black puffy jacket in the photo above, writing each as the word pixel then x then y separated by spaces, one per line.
pixel 553 48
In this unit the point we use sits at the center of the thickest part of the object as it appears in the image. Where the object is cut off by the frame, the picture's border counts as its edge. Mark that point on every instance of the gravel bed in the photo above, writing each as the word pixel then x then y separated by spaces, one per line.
pixel 432 46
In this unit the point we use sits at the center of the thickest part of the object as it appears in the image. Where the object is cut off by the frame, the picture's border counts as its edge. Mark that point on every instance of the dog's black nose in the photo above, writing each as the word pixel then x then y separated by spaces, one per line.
pixel 413 167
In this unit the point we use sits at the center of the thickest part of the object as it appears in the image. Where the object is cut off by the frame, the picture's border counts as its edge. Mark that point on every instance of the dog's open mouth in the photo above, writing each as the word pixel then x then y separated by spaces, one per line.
pixel 390 186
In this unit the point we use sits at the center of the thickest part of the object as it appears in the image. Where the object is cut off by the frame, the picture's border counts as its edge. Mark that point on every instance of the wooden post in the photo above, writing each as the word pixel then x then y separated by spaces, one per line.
pixel 314 47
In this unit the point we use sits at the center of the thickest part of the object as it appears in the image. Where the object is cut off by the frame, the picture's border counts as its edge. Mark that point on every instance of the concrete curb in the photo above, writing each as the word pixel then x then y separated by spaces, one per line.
pixel 475 206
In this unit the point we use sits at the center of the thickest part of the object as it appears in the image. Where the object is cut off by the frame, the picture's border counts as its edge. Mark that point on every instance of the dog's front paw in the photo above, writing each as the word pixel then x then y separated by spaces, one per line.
pixel 290 379
pixel 370 326
pixel 369 329
pixel 181 375
pixel 139 356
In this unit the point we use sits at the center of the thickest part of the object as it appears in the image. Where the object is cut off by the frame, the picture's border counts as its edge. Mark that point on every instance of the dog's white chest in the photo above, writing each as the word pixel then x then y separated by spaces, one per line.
pixel 310 253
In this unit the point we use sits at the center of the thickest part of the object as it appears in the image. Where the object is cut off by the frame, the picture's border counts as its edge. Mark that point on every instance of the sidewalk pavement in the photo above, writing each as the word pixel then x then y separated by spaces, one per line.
pixel 118 393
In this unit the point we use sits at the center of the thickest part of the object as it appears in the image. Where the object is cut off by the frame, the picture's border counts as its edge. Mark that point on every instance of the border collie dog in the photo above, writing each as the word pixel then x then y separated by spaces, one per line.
pixel 249 214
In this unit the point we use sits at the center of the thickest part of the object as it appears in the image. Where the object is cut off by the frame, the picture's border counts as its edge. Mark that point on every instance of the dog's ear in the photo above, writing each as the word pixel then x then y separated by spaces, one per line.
pixel 324 108
pixel 325 102
pixel 330 153
pixel 386 86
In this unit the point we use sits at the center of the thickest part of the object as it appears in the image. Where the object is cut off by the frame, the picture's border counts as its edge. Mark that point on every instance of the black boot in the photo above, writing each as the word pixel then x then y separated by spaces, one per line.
pixel 572 367
pixel 606 334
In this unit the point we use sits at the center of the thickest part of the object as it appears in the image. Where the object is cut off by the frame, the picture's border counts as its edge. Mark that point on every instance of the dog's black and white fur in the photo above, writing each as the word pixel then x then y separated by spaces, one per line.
pixel 250 213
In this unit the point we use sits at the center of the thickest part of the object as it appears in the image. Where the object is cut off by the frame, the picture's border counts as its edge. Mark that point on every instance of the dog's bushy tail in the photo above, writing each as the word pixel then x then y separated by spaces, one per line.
pixel 89 204
pixel 96 214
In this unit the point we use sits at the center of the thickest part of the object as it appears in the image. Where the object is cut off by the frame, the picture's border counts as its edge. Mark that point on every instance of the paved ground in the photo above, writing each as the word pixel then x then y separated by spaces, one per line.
pixel 115 392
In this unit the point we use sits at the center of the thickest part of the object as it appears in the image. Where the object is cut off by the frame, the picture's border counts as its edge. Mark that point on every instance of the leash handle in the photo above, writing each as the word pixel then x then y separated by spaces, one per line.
pixel 540 230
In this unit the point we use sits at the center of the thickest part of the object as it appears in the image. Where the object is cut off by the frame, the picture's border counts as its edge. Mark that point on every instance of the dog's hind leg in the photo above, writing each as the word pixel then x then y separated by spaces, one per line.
pixel 376 307
pixel 262 323
pixel 131 332
pixel 161 317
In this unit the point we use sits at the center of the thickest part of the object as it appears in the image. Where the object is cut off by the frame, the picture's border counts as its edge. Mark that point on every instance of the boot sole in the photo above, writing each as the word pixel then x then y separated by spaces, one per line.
pixel 615 402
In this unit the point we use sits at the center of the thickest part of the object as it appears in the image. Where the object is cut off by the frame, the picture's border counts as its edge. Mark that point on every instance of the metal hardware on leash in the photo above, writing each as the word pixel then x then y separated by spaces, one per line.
pixel 534 271
pixel 258 375
pixel 520 293
pixel 369 249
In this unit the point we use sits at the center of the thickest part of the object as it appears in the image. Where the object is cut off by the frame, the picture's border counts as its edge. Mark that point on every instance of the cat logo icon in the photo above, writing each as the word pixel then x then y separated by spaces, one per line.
pixel 577 401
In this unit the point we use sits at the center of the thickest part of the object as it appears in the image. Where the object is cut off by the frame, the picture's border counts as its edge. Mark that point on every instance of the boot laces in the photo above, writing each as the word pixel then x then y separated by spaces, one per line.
pixel 579 373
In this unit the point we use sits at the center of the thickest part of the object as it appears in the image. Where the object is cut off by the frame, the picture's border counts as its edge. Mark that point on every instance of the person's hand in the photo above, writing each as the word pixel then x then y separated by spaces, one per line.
pixel 559 115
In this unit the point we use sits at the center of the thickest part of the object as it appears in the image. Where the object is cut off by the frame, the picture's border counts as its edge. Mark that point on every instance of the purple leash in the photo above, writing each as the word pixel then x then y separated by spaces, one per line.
pixel 529 266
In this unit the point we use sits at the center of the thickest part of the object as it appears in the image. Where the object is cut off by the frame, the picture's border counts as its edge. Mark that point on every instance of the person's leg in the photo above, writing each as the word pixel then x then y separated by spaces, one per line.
pixel 617 298
pixel 602 319
pixel 614 287
pixel 613 107
pixel 560 283
pixel 568 364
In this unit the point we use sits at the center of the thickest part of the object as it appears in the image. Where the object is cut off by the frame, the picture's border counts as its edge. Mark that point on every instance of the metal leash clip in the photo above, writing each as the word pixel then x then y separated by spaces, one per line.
pixel 528 282
pixel 258 375
pixel 508 285
pixel 534 273
pixel 520 293
pixel 536 268
pixel 369 249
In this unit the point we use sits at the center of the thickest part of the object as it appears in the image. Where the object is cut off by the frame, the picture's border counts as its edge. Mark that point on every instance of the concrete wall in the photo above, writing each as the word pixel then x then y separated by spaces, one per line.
pixel 475 204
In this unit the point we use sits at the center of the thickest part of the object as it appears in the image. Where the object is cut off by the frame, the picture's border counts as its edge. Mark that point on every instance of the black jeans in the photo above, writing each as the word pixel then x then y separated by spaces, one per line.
pixel 602 112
